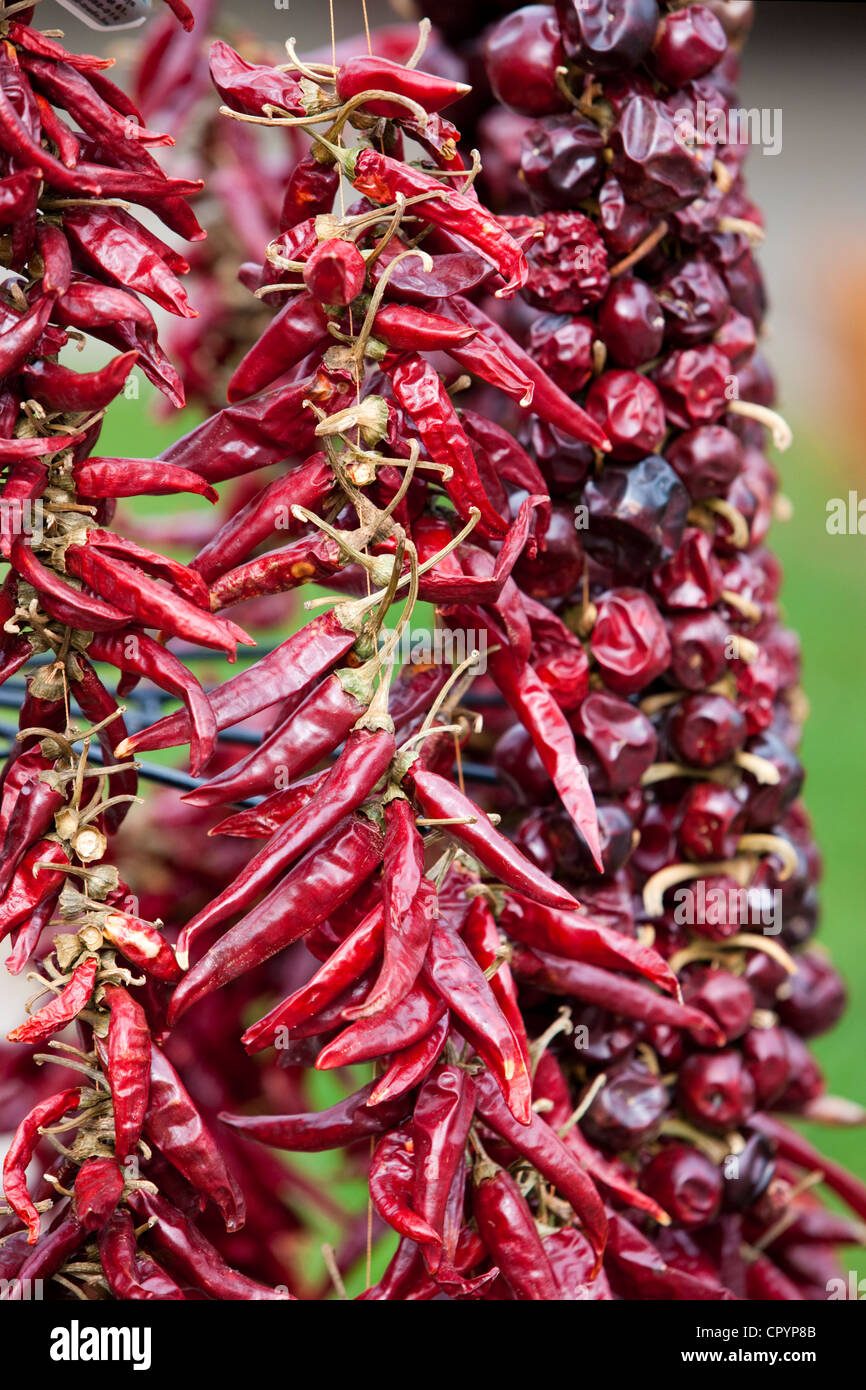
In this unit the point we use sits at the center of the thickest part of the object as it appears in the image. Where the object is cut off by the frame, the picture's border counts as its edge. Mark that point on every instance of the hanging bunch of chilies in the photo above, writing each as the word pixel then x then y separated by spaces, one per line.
pixel 616 1146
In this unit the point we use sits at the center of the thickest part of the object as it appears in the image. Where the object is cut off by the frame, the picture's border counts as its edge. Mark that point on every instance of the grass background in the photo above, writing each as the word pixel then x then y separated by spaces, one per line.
pixel 824 598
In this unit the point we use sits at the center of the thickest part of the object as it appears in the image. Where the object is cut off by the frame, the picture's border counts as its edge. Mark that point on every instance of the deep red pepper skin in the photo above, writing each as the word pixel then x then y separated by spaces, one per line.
pixel 407 1279
pixel 142 945
pixel 309 560
pixel 300 327
pixel 634 1265
pixel 356 954
pixel 52 1250
pixel 98 1188
pixel 103 477
pixel 399 1028
pixel 30 885
pixel 320 883
pixel 174 1125
pixel 413 1065
pixel 796 1149
pixel 310 191
pixel 351 1119
pixel 288 672
pixel 453 973
pixel 269 816
pixel 16 140
pixel 21 1150
pixel 31 817
pixel 54 250
pixel 407 329
pixel 615 992
pixel 129 1064
pixel 61 388
pixel 62 1009
pixel 97 704
pixel 193 1257
pixel 18 342
pixel 391 1179
pixel 248 87
pixel 122 253
pixel 420 391
pixel 546 1151
pixel 766 1282
pixel 507 1227
pixel 482 939
pixel 59 599
pixel 369 72
pixel 440 1128
pixel 298 743
pixel 128 1276
pixel 362 763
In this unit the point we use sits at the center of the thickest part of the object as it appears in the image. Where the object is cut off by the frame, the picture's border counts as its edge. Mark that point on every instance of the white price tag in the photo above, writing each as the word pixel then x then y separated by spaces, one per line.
pixel 109 14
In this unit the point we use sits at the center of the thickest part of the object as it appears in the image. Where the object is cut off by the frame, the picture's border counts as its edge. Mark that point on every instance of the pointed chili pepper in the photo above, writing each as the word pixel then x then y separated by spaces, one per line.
pixel 62 1009
pixel 344 1123
pixel 310 560
pixel 335 272
pixel 382 178
pixel 310 191
pixel 440 1128
pixel 50 1254
pixel 11 450
pixel 319 726
pixel 193 1257
pixel 399 1028
pixel 577 937
pixel 129 1064
pixel 19 194
pixel 141 944
pixel 17 141
pixel 35 42
pixel 98 1189
pixel 408 1280
pixel 32 882
pixel 56 131
pixel 174 1125
pixel 633 1259
pixel 623 996
pixel 440 799
pixel 413 1064
pixel 18 342
pixel 391 1179
pixel 22 1149
pixel 99 706
pixel 546 1151
pixel 299 328
pixel 407 329
pixel 89 304
pixel 104 477
pixel 287 673
pixel 420 391
pixel 309 486
pixel 367 73
pixel 320 883
pixel 351 959
pixel 31 817
pixel 26 937
pixel 507 1227
pixel 268 816
pixel 362 763
pixel 549 403
pixel 61 388
pixel 249 87
pixel 138 654
pixel 127 1275
pixel 57 262
pixel 410 910
pixel 482 939
pixel 187 582
pixel 486 359
pixel 68 605
pixel 72 90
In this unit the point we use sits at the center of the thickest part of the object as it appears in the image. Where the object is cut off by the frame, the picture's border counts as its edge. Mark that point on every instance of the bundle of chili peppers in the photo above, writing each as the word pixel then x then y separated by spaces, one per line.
pixel 550 424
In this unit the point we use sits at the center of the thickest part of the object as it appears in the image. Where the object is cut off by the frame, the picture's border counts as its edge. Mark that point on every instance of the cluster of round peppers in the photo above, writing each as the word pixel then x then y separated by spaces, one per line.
pixel 550 424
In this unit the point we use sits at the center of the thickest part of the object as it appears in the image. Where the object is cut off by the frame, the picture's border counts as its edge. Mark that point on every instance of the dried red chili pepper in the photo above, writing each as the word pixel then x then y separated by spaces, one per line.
pixel 392 1179
pixel 248 87
pixel 310 191
pixel 310 560
pixel 483 941
pixel 440 1128
pixel 320 883
pixel 142 944
pixel 407 329
pixel 413 1064
pixel 300 327
pixel 50 1253
pixel 344 1123
pixel 31 817
pixel 21 1151
pixel 130 1276
pixel 632 1258
pixel 98 1189
pixel 32 882
pixel 129 1063
pixel 371 73
pixel 796 1149
pixel 104 477
pixel 507 1227
pixel 62 1009
pixel 61 388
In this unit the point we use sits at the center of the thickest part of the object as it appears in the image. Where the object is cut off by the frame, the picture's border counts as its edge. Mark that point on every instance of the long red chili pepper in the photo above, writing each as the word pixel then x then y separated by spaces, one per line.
pixel 413 1064
pixel 309 560
pixel 98 1189
pixel 62 1009
pixel 142 945
pixel 371 73
pixel 300 327
pixel 402 1026
pixel 21 1150
pixel 344 1123
pixel 633 1258
pixel 507 1227
pixel 104 477
pixel 319 884
pixel 32 882
pixel 440 1128
pixel 128 1276
pixel 129 1066
pixel 483 941
pixel 391 1179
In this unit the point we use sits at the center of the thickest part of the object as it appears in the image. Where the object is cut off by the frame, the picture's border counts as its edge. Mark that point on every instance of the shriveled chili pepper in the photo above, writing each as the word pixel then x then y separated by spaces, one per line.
pixel 62 1009
pixel 99 706
pixel 507 1227
pixel 129 1064
pixel 454 974
pixel 98 1189
pixel 174 1125
pixel 87 303
pixel 128 1276
pixel 410 909
pixel 408 1280
pixel 309 560
pixel 335 272
pixel 579 938
pixel 26 937
pixel 68 605
pixel 104 477
pixel 52 1251
pixel 380 178
pixel 403 1025
pixel 483 941
pixel 344 1123
pixel 407 329
pixel 58 132
pixel 440 1128
pixel 299 328
pixel 321 882
pixel 270 510
pixel 142 944
pixel 139 655
pixel 546 1151
pixel 22 1149
pixel 268 816
pixel 355 955
pixel 192 1256
pixel 12 450
pixel 61 388
pixel 297 743
pixel 310 191
pixel 420 391
pixel 413 1064
pixel 632 1258
pixel 249 87
pixel 33 41
pixel 796 1149
pixel 363 761
pixel 615 992
pixel 31 817
pixel 367 73
pixel 391 1179
pixel 57 262
pixel 31 884
pixel 17 141
pixel 486 359
pixel 19 194
pixel 549 402
pixel 18 342
pixel 73 91
pixel 440 799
